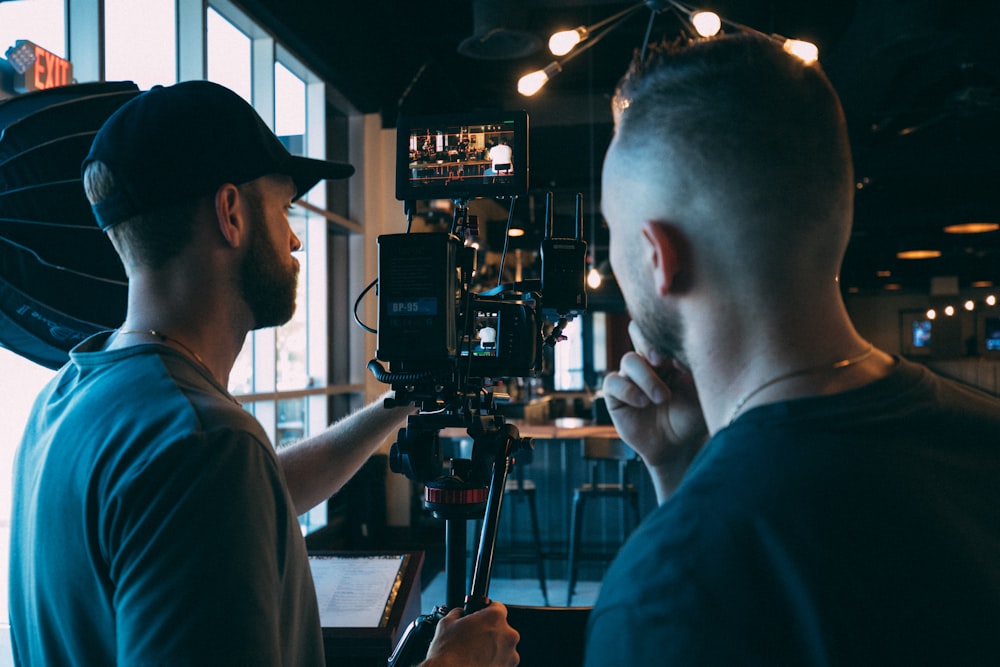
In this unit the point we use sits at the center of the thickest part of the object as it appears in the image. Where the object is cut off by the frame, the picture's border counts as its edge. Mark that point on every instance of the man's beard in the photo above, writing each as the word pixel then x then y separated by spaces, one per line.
pixel 662 328
pixel 268 285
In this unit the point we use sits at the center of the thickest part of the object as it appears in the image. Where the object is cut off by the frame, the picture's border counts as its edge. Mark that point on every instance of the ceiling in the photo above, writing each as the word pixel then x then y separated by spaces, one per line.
pixel 919 80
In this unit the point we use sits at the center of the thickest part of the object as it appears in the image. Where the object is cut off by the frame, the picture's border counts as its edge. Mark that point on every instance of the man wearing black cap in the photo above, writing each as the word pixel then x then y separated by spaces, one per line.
pixel 153 521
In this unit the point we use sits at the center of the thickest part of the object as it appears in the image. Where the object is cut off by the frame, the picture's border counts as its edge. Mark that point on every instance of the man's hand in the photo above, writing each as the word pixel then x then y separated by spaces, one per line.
pixel 654 406
pixel 478 639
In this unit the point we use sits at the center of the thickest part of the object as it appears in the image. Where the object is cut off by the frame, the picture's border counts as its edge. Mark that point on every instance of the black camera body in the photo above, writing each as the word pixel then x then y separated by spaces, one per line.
pixel 447 344
pixel 439 337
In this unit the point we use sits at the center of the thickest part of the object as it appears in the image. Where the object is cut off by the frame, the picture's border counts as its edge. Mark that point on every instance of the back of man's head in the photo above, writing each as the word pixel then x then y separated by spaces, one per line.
pixel 747 145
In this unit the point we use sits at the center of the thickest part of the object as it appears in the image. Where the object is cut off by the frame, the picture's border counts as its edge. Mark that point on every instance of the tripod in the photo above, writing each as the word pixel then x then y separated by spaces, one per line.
pixel 456 502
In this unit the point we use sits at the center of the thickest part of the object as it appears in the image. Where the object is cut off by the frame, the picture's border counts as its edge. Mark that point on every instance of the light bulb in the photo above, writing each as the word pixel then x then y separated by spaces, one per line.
pixel 593 278
pixel 706 23
pixel 949 310
pixel 807 52
pixel 970 305
pixel 529 84
pixel 562 42
pixel 991 300
pixel 931 314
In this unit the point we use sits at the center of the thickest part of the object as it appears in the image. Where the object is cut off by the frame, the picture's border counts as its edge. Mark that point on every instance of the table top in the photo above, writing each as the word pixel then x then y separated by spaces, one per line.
pixel 564 428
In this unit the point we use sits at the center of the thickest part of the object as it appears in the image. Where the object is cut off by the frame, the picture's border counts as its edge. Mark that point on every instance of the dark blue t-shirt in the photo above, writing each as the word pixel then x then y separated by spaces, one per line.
pixel 855 529
pixel 151 524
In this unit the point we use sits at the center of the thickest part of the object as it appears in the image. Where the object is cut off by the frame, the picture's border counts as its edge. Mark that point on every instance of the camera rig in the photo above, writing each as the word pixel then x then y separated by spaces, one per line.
pixel 446 346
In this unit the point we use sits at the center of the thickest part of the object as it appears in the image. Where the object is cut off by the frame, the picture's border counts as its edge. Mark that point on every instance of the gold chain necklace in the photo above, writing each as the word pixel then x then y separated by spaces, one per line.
pixel 164 338
pixel 843 363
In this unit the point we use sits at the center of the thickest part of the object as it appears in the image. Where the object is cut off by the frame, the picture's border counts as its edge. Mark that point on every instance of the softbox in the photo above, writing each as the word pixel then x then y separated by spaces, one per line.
pixel 60 278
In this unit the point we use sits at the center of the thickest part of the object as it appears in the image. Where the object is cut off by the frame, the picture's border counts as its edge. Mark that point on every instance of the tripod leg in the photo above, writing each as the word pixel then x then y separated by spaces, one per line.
pixel 576 525
pixel 539 557
pixel 455 532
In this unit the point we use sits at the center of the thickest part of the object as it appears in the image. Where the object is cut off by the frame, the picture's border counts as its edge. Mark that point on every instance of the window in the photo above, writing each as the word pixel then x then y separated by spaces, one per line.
pixel 135 52
pixel 40 21
pixel 569 358
pixel 44 23
pixel 228 55
pixel 291 340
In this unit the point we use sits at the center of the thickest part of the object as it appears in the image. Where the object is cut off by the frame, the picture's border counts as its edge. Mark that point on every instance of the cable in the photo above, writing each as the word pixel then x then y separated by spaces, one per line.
pixel 357 303
pixel 506 240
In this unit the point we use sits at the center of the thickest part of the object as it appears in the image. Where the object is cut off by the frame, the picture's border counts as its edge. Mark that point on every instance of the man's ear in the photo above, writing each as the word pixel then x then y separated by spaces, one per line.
pixel 229 214
pixel 666 243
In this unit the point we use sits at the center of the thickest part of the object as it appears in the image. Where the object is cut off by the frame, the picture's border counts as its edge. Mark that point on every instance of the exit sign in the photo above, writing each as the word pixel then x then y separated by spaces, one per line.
pixel 36 68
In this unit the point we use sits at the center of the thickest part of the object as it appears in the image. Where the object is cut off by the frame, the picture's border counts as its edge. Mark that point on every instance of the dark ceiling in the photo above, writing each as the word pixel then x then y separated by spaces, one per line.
pixel 919 80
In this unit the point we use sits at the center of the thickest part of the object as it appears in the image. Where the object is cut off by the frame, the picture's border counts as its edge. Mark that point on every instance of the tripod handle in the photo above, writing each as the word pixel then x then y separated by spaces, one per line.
pixel 416 639
pixel 475 603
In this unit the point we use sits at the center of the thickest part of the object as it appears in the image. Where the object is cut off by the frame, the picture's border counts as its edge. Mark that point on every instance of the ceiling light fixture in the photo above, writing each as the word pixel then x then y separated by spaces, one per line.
pixel 919 253
pixel 564 43
pixel 593 277
pixel 704 24
pixel 972 228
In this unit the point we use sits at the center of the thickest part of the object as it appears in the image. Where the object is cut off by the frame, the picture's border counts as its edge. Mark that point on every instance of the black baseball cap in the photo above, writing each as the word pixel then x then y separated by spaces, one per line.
pixel 184 141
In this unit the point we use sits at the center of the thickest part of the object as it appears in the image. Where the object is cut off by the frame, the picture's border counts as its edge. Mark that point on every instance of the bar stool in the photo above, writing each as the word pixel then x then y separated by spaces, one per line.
pixel 599 451
pixel 520 489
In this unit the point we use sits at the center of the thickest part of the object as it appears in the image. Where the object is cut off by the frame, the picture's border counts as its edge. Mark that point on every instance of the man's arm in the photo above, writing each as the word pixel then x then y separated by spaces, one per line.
pixel 318 467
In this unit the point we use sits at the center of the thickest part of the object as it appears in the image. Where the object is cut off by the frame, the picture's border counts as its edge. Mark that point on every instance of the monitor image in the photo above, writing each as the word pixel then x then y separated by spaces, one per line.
pixel 991 333
pixel 462 156
pixel 922 330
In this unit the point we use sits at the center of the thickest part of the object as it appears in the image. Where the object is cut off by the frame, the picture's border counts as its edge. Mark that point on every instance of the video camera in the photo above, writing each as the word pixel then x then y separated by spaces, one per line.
pixel 447 340
pixel 446 343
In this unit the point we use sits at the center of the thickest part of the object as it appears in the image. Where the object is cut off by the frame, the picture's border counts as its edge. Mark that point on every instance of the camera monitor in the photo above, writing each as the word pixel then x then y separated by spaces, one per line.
pixel 462 156
pixel 990 335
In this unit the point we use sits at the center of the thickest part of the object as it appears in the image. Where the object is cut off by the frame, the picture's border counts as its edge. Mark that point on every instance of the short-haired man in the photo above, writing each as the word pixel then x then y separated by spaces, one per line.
pixel 829 504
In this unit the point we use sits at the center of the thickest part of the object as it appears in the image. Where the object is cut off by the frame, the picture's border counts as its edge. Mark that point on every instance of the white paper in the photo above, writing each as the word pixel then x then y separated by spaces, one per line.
pixel 352 591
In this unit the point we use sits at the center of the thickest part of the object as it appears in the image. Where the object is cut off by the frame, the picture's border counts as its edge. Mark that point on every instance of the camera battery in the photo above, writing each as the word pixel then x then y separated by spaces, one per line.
pixel 418 284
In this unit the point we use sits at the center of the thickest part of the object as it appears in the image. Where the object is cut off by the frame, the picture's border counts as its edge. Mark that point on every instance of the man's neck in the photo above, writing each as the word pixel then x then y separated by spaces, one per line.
pixel 740 366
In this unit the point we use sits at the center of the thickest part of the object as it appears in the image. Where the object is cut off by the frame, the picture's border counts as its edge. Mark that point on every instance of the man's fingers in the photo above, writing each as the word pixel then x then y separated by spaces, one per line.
pixel 636 384
pixel 641 345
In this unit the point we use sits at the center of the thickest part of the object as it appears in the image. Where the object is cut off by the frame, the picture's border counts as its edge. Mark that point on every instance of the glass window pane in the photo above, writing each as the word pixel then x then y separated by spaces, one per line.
pixel 140 42
pixel 289 106
pixel 241 377
pixel 291 422
pixel 569 358
pixel 229 55
pixel 600 327
pixel 291 339
pixel 40 21
pixel 22 380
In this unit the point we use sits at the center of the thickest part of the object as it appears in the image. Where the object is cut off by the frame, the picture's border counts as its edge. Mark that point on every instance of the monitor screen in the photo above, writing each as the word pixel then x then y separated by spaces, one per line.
pixel 462 156
pixel 922 333
pixel 991 333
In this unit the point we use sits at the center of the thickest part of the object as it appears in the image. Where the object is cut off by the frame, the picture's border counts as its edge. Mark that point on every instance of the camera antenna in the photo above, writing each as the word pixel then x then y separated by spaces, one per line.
pixel 550 223
pixel 506 240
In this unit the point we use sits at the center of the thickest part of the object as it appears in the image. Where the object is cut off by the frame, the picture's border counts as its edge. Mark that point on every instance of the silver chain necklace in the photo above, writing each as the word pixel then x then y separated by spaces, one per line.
pixel 843 363
pixel 164 338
